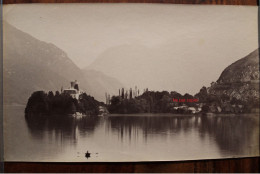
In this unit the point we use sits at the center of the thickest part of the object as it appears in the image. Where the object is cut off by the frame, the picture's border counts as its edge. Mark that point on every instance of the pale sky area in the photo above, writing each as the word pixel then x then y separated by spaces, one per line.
pixel 205 39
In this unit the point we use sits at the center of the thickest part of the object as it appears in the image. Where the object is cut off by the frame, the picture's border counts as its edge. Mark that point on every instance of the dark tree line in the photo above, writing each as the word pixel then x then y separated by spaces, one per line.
pixel 149 102
pixel 162 102
pixel 50 103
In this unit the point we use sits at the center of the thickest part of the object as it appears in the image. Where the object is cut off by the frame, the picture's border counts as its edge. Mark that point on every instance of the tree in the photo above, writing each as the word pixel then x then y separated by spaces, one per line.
pixel 57 93
pixel 73 108
pixel 202 95
pixel 205 109
pixel 115 100
pixel 37 103
pixel 50 95
pixel 42 103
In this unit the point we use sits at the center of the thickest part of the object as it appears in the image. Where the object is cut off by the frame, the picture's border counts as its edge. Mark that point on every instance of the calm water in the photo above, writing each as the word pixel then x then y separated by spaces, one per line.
pixel 129 138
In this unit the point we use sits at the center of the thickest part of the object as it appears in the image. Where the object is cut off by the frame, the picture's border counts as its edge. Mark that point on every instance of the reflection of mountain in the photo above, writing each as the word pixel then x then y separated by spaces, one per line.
pixel 31 65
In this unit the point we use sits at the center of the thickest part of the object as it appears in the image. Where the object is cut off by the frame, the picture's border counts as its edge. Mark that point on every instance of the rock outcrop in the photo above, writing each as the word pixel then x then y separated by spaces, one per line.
pixel 240 80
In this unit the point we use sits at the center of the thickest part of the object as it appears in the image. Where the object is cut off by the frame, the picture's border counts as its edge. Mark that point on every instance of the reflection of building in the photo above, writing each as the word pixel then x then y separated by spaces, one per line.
pixel 73 91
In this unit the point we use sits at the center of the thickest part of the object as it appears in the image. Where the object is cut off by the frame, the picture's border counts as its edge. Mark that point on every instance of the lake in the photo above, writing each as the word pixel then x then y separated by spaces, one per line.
pixel 151 137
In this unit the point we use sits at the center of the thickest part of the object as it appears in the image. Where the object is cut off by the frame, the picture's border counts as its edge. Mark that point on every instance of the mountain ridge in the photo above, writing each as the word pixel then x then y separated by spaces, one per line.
pixel 240 80
pixel 244 69
pixel 31 65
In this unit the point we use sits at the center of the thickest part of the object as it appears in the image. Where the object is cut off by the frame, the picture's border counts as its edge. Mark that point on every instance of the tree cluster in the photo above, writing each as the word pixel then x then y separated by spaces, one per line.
pixel 162 102
pixel 148 102
pixel 48 103
pixel 224 103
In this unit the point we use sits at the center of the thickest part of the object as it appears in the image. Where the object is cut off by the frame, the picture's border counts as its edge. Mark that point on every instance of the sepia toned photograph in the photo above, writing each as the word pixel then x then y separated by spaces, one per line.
pixel 130 82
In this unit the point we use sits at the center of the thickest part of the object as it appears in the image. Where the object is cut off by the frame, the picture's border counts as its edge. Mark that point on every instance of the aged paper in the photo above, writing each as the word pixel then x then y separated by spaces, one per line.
pixel 130 82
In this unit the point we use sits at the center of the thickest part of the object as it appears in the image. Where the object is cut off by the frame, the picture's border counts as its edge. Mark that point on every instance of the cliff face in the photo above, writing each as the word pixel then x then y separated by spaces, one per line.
pixel 240 80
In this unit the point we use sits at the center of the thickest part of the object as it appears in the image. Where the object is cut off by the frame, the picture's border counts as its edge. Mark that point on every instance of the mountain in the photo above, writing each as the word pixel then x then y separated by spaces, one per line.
pixel 102 84
pixel 243 70
pixel 137 65
pixel 240 80
pixel 31 65
pixel 127 63
pixel 175 65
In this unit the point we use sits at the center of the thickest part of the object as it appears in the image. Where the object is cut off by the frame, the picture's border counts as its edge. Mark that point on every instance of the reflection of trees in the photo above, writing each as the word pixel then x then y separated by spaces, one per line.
pixel 149 124
pixel 231 133
pixel 87 125
pixel 62 127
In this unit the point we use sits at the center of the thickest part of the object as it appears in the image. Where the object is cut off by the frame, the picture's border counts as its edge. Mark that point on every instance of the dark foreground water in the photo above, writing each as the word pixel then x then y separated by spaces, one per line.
pixel 129 138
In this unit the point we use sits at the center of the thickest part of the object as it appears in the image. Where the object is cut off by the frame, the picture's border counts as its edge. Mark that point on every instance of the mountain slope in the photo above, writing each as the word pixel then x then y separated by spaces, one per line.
pixel 102 84
pixel 243 70
pixel 31 65
pixel 137 65
pixel 240 80
pixel 167 66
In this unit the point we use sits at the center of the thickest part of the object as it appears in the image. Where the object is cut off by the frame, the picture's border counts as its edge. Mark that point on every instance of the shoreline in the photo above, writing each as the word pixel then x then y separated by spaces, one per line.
pixel 183 115
pixel 255 114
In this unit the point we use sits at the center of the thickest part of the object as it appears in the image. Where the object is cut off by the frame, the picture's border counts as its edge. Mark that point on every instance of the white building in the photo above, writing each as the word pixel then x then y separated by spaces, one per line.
pixel 73 91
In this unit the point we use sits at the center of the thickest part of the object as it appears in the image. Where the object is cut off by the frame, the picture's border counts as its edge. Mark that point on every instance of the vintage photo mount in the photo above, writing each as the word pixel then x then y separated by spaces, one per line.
pixel 2 93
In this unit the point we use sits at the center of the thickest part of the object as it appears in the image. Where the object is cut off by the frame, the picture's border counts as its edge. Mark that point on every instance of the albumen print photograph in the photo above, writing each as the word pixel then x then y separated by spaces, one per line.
pixel 130 82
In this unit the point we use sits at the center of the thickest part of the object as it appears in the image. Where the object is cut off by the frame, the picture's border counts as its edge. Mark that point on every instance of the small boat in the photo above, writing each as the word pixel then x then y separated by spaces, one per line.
pixel 87 155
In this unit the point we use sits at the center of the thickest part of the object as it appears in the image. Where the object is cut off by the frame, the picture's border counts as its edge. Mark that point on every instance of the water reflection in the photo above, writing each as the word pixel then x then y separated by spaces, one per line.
pixel 61 126
pixel 149 126
pixel 233 135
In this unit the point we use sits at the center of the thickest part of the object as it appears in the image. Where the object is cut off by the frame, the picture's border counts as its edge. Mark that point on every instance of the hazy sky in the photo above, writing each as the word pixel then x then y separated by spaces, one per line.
pixel 84 31
pixel 213 36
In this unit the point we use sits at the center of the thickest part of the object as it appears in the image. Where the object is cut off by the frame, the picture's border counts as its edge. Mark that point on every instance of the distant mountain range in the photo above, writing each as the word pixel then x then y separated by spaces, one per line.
pixel 99 83
pixel 137 65
pixel 172 65
pixel 31 65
